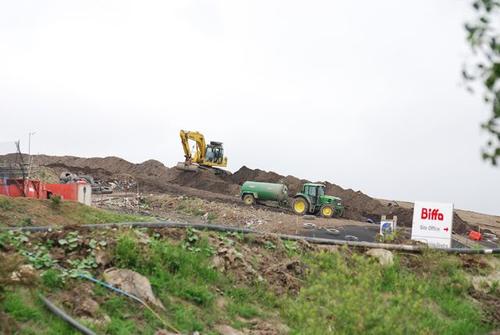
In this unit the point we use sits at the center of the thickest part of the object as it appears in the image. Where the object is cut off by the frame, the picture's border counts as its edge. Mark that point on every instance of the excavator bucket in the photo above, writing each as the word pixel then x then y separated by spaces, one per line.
pixel 186 167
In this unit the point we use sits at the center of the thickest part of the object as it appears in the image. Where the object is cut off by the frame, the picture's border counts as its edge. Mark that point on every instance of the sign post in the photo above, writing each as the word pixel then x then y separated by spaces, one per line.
pixel 432 223
pixel 388 227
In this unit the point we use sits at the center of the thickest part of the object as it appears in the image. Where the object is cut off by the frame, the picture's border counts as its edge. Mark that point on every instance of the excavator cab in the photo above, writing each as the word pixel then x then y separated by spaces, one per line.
pixel 215 153
pixel 207 156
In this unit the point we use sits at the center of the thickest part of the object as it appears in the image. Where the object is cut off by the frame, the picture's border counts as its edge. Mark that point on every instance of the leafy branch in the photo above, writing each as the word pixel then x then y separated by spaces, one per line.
pixel 484 39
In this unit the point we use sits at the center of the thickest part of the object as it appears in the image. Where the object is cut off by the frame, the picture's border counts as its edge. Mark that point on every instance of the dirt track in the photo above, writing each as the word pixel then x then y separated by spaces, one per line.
pixel 154 177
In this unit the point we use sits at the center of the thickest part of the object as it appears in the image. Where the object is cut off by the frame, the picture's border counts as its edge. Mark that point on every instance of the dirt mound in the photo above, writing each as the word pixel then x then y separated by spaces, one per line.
pixel 244 173
pixel 153 176
pixel 358 205
pixel 203 180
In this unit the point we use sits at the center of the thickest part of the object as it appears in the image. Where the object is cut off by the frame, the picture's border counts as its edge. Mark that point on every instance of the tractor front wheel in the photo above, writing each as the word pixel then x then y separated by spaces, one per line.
pixel 248 199
pixel 326 211
pixel 300 206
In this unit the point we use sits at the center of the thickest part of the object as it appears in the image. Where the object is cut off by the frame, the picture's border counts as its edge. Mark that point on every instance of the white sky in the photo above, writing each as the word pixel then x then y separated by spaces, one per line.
pixel 365 94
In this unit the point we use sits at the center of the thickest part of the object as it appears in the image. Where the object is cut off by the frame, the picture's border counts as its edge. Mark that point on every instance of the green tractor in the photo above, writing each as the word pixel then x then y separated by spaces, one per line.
pixel 312 200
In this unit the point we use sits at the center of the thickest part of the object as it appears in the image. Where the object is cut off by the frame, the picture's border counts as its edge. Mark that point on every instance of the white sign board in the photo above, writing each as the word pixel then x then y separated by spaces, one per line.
pixel 432 223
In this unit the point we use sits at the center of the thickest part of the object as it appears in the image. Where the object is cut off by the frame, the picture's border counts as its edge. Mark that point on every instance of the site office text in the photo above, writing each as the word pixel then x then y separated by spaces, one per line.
pixel 432 214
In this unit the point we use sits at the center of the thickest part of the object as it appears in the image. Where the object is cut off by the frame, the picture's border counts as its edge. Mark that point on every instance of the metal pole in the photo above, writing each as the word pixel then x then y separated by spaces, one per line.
pixel 29 152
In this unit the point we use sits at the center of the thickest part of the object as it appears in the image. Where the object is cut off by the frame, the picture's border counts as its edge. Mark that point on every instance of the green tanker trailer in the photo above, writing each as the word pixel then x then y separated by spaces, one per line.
pixel 310 200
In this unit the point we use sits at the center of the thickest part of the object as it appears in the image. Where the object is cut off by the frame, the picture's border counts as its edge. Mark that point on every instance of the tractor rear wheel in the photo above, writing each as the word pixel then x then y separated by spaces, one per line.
pixel 300 206
pixel 249 199
pixel 326 211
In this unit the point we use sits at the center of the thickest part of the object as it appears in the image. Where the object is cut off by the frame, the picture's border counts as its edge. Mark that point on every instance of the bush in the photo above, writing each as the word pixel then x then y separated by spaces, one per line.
pixel 52 279
pixel 55 201
pixel 127 252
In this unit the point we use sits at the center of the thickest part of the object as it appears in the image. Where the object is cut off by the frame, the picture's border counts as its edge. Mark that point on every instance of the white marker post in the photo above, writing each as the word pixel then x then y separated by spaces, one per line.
pixel 432 223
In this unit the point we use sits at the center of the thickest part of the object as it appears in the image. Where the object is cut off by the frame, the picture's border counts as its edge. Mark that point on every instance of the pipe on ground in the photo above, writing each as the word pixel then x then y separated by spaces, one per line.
pixel 61 314
pixel 223 228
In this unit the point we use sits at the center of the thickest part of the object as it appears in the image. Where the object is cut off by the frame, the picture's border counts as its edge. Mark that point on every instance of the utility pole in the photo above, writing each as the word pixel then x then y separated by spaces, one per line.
pixel 29 152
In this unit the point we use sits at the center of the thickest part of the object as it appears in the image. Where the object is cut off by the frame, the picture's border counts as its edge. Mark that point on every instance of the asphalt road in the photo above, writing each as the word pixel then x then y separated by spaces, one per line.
pixel 362 233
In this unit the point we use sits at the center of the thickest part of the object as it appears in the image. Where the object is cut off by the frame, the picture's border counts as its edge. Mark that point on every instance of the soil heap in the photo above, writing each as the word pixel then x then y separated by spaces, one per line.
pixel 153 176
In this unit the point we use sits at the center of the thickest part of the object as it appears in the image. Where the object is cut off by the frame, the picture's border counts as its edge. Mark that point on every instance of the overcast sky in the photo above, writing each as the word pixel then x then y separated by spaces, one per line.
pixel 366 94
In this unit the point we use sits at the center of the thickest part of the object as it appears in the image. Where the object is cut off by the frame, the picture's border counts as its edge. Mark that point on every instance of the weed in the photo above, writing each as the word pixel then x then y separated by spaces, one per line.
pixel 291 247
pixel 120 326
pixel 193 242
pixel 25 222
pixel 187 318
pixel 127 252
pixel 245 310
pixel 211 217
pixel 52 279
pixel 55 202
pixel 80 266
pixel 17 238
pixel 495 288
pixel 40 258
pixel 199 294
pixel 71 241
pixel 238 235
pixel 5 203
pixel 269 245
pixel 191 206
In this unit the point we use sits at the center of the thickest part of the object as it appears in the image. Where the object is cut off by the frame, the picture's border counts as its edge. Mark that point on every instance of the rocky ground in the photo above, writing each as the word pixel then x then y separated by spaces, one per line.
pixel 181 208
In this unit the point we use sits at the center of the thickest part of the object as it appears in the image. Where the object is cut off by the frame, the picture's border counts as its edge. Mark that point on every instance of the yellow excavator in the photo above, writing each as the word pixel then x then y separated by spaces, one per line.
pixel 207 156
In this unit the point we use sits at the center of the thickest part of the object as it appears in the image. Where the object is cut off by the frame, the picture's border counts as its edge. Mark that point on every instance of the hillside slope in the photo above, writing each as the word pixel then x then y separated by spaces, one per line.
pixel 15 212
pixel 223 283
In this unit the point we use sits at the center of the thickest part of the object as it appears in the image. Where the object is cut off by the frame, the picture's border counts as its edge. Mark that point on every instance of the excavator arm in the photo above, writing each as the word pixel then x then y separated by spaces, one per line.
pixel 201 146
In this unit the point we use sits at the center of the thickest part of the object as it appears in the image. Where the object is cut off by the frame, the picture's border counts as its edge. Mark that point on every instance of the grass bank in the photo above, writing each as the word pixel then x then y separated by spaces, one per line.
pixel 258 285
pixel 25 212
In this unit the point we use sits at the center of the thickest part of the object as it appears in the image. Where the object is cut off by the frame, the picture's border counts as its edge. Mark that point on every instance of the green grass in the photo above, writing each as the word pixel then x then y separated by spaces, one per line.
pixel 52 279
pixel 6 203
pixel 26 211
pixel 91 215
pixel 342 293
pixel 29 312
pixel 192 206
pixel 183 279
pixel 355 295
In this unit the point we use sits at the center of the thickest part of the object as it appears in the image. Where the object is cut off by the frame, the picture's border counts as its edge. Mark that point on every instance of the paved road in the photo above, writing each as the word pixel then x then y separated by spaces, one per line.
pixel 363 233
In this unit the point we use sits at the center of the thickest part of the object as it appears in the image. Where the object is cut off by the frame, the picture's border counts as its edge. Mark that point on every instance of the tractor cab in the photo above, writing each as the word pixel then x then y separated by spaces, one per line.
pixel 313 191
pixel 312 200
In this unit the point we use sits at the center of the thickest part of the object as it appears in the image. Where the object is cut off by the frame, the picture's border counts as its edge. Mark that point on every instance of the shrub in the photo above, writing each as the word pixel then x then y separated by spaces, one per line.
pixel 127 252
pixel 52 279
pixel 55 201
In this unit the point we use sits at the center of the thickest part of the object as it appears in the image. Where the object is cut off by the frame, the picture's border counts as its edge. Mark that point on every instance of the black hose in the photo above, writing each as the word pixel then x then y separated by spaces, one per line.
pixel 61 314
pixel 223 228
